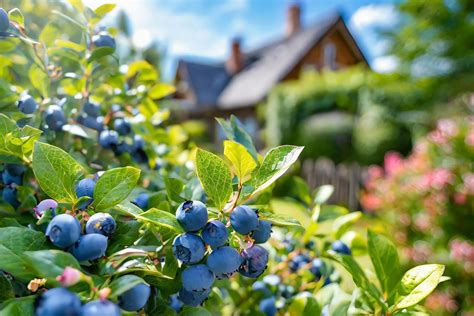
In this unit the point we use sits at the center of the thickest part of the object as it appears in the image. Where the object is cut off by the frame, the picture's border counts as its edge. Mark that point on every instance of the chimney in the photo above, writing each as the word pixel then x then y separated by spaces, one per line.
pixel 234 64
pixel 293 23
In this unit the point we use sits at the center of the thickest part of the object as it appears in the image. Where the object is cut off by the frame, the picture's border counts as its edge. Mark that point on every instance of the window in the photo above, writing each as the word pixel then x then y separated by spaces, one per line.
pixel 329 55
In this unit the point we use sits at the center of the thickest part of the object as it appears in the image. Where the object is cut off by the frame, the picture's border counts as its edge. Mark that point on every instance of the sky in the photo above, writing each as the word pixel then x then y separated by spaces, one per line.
pixel 203 29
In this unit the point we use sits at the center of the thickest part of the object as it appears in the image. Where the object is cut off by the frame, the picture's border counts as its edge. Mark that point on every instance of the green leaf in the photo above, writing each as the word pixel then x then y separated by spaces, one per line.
pixel 114 186
pixel 102 10
pixel 323 193
pixel 240 158
pixel 39 79
pixel 276 162
pixel 161 90
pixel 22 306
pixel 70 45
pixel 16 16
pixel 165 223
pixel 215 178
pixel 278 219
pixel 304 305
pixel 417 284
pixel 127 208
pixel 383 254
pixel 195 311
pixel 50 263
pixel 56 172
pixel 174 188
pixel 329 212
pixel 77 4
pixel 6 288
pixel 100 52
pixel 13 242
pixel 235 131
pixel 124 283
pixel 342 223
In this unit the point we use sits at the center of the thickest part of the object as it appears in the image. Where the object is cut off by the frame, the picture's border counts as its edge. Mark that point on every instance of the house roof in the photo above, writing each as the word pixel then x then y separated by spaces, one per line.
pixel 264 67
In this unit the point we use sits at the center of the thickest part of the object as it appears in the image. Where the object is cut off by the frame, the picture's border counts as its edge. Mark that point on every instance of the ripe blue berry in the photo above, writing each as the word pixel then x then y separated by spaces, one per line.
pixel 101 223
pixel 55 117
pixel 298 262
pixel 340 247
pixel 85 187
pixel 27 104
pixel 197 278
pixel 4 21
pixel 318 268
pixel 267 306
pixel 261 287
pixel 91 109
pixel 192 215
pixel 243 219
pixel 103 39
pixel 135 298
pixel 122 126
pixel 215 234
pixel 138 142
pixel 142 200
pixel 89 247
pixel 100 308
pixel 15 169
pixel 193 298
pixel 224 262
pixel 96 123
pixel 263 231
pixel 8 178
pixel 58 302
pixel 9 195
pixel 175 303
pixel 188 248
pixel 108 139
pixel 255 261
pixel 63 230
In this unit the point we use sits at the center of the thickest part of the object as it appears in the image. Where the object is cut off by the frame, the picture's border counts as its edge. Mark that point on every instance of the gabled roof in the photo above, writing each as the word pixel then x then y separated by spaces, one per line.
pixel 264 68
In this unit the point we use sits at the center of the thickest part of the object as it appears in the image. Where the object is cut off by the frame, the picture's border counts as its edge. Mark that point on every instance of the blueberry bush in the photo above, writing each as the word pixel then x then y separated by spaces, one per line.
pixel 108 209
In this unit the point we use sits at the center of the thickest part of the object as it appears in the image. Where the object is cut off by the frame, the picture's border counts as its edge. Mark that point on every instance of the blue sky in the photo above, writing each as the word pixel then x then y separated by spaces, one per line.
pixel 203 28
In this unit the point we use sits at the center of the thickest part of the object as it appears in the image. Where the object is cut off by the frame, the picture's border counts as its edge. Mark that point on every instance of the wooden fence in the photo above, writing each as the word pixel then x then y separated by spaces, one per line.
pixel 347 180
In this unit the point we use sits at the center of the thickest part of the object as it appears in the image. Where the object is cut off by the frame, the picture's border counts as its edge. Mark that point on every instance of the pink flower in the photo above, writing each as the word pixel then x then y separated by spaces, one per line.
pixel 69 277
pixel 393 162
pixel 470 138
pixel 448 127
pixel 460 198
pixel 371 202
pixel 469 183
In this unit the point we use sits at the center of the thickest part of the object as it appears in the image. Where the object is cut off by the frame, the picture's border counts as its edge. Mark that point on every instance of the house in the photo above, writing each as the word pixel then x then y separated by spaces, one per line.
pixel 237 85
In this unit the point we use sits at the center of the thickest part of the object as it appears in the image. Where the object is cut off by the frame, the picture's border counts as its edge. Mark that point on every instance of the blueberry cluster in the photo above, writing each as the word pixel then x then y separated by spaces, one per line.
pixel 223 260
pixel 65 231
pixel 11 177
pixel 54 117
pixel 91 116
pixel 60 301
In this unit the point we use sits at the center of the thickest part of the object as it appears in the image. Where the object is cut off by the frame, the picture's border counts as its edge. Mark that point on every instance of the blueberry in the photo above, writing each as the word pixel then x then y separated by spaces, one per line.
pixel 142 200
pixel 188 248
pixel 175 303
pixel 224 262
pixel 55 117
pixel 58 302
pixel 122 126
pixel 267 306
pixel 108 139
pixel 85 187
pixel 243 219
pixel 135 298
pixel 15 169
pixel 101 223
pixel 46 205
pixel 193 298
pixel 4 21
pixel 197 278
pixel 261 287
pixel 63 230
pixel 255 261
pixel 103 40
pixel 89 247
pixel 140 156
pixel 263 231
pixel 215 234
pixel 286 291
pixel 298 262
pixel 318 268
pixel 9 195
pixel 138 142
pixel 8 178
pixel 27 104
pixel 192 215
pixel 96 123
pixel 92 109
pixel 122 147
pixel 100 308
pixel 340 247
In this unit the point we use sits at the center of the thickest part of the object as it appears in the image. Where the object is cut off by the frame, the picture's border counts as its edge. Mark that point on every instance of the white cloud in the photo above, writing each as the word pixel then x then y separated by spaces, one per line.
pixel 384 64
pixel 372 16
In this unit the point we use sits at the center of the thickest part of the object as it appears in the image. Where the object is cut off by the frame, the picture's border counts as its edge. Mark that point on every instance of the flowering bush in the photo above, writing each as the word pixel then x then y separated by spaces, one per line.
pixel 428 198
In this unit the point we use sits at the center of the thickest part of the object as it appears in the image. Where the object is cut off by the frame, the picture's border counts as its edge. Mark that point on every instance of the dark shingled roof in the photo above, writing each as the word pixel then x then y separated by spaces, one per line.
pixel 264 67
